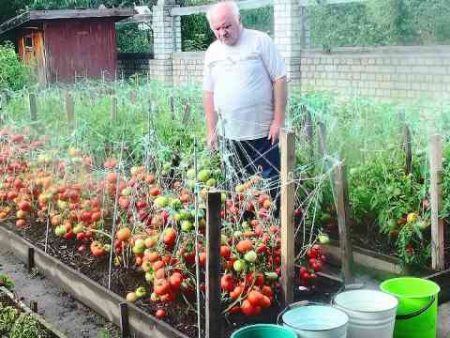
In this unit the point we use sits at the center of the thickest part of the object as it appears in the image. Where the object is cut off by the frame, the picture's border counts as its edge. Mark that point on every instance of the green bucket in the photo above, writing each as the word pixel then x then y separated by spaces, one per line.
pixel 417 309
pixel 264 331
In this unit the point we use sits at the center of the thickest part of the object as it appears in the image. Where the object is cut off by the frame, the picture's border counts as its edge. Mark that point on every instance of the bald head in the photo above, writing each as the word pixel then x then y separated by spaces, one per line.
pixel 223 8
pixel 224 20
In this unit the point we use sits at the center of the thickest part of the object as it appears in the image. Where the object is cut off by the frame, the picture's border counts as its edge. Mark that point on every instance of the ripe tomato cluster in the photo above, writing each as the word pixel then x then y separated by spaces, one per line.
pixel 314 262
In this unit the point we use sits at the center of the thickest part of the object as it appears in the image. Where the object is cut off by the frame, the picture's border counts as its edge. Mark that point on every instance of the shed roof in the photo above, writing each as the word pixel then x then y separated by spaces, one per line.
pixel 32 17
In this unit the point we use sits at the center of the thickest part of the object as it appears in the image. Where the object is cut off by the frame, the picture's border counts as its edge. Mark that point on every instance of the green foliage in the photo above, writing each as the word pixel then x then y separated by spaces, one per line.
pixel 6 281
pixel 130 39
pixel 27 326
pixel 8 316
pixel 13 74
pixel 380 22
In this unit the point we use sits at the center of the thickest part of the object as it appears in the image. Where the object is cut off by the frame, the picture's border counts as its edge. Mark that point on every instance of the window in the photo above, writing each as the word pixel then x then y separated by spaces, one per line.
pixel 29 42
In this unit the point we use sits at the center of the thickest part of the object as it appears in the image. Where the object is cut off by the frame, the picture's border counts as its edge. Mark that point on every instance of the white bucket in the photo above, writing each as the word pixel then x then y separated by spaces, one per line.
pixel 371 313
pixel 316 321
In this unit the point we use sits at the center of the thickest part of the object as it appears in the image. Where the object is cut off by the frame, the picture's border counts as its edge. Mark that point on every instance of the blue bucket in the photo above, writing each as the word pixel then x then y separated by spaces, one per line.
pixel 315 320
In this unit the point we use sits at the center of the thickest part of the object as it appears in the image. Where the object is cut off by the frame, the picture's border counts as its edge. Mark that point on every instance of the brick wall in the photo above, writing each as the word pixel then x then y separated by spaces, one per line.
pixel 383 72
pixel 187 67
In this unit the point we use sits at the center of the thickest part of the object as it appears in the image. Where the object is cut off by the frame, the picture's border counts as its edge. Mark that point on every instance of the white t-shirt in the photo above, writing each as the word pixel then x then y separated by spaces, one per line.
pixel 241 77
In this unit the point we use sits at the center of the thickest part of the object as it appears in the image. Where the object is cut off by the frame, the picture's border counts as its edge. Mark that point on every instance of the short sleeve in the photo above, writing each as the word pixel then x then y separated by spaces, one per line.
pixel 272 58
pixel 208 84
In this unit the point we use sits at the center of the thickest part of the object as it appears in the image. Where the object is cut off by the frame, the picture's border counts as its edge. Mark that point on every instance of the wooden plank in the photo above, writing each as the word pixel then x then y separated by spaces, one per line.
pixel 245 5
pixel 80 14
pixel 33 106
pixel 287 147
pixel 341 197
pixel 407 149
pixel 14 22
pixel 306 3
pixel 213 312
pixel 437 223
pixel 68 99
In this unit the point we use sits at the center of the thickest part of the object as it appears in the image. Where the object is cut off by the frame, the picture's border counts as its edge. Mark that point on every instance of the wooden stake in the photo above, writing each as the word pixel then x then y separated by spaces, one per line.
pixel 30 259
pixel 345 244
pixel 114 108
pixel 172 106
pixel 213 239
pixel 308 130
pixel 124 323
pixel 287 147
pixel 322 139
pixel 407 149
pixel 437 223
pixel 34 306
pixel 69 107
pixel 33 107
pixel 187 113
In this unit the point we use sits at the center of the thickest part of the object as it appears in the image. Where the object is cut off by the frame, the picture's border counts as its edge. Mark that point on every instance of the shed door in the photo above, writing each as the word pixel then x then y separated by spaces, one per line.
pixel 31 50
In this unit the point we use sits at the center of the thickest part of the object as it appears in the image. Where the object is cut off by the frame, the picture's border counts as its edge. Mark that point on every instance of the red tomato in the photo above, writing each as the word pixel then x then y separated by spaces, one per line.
pixel 160 313
pixel 227 283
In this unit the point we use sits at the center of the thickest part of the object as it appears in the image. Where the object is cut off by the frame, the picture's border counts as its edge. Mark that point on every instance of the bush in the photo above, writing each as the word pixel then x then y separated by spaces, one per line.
pixel 13 74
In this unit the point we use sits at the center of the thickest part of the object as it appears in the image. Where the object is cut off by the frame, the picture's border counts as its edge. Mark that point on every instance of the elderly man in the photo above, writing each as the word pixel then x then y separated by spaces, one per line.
pixel 244 92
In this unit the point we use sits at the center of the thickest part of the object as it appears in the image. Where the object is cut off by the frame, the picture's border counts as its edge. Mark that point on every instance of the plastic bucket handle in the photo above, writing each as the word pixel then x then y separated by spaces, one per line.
pixel 418 312
pixel 293 306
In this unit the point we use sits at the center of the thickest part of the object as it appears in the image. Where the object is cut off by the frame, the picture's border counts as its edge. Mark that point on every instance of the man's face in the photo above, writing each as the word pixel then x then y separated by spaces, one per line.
pixel 226 27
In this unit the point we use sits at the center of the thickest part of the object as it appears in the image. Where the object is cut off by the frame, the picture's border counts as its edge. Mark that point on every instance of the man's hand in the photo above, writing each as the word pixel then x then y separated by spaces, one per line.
pixel 274 132
pixel 211 141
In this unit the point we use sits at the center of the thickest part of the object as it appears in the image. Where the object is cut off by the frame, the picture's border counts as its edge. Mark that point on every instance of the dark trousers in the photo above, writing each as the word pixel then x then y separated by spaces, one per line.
pixel 258 156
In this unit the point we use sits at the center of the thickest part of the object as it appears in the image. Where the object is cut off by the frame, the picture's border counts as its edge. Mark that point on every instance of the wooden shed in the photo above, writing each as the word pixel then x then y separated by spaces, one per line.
pixel 64 44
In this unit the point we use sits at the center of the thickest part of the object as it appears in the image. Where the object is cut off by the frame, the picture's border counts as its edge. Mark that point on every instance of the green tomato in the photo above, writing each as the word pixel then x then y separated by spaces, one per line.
pixel 251 256
pixel 324 239
pixel 140 292
pixel 187 226
pixel 239 265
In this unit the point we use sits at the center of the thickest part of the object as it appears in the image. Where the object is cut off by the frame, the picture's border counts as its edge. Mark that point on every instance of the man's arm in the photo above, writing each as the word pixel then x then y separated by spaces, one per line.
pixel 280 98
pixel 211 119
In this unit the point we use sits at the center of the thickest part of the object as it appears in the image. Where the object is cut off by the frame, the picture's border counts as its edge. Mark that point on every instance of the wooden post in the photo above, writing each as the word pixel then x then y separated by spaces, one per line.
pixel 124 323
pixel 287 147
pixel 345 244
pixel 172 106
pixel 113 108
pixel 213 309
pixel 69 107
pixel 30 259
pixel 437 223
pixel 322 139
pixel 308 130
pixel 33 107
pixel 187 113
pixel 407 149
pixel 34 306
pixel 133 96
